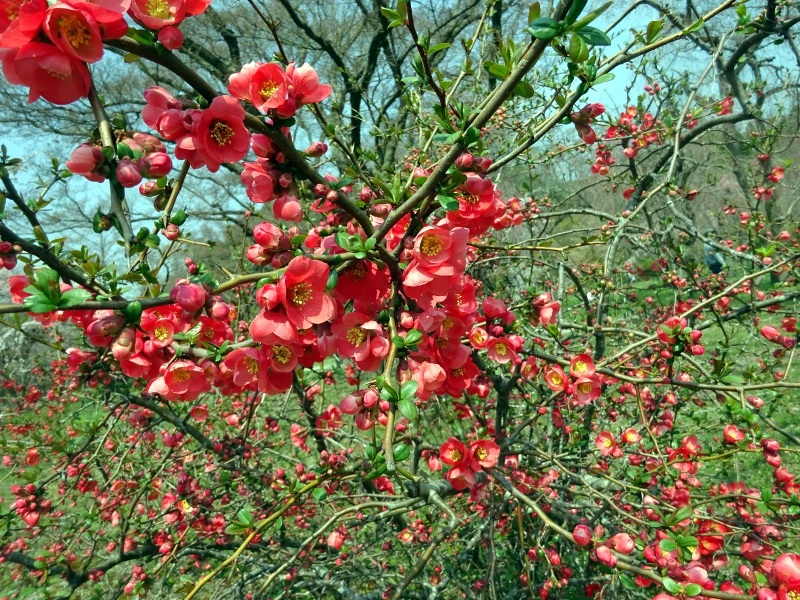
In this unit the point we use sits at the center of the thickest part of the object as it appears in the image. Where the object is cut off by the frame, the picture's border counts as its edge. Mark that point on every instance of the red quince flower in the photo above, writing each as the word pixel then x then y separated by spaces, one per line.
pixel 48 72
pixel 581 365
pixel 453 452
pixel 607 444
pixel 221 136
pixel 555 378
pixel 267 87
pixel 20 21
pixel 155 14
pixel 483 454
pixel 304 86
pixel 74 32
pixel 301 290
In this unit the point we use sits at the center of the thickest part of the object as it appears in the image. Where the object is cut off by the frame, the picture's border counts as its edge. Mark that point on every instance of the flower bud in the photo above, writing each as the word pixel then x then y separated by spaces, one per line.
pixel 317 149
pixel 172 232
pixel 191 297
pixel 128 173
pixel 170 37
pixel 155 165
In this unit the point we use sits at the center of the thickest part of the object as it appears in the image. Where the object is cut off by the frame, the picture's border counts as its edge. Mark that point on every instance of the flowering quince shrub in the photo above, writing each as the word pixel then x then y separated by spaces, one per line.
pixel 366 389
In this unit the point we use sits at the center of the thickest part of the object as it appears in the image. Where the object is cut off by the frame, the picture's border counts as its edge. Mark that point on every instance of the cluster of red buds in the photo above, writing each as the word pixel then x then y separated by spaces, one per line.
pixel 8 255
pixel 29 505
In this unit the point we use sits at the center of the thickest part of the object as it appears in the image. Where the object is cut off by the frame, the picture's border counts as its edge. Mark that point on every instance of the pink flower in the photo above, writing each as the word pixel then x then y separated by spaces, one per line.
pixel 301 290
pixel 453 452
pixel 555 378
pixel 260 181
pixel 483 454
pixel 156 15
pixel 221 135
pixel 155 165
pixel 304 85
pixel 48 72
pixel 191 297
pixel 607 444
pixel 501 351
pixel 267 87
pixel 86 160
pixel 582 535
pixel 171 38
pixel 287 208
pixel 74 32
pixel 731 434
pixel 20 21
pixel 128 174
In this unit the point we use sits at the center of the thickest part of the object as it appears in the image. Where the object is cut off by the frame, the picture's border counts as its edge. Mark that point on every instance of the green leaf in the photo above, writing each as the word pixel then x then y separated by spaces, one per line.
pixel 594 36
pixel 668 545
pixel 369 244
pixel 319 494
pixel 74 297
pixel 523 89
pixel 235 529
pixel 39 303
pixel 413 337
pixel 683 513
pixel 578 49
pixel 472 135
pixel 692 589
pixel 544 28
pixel 45 279
pixel 438 48
pixel 178 218
pixel 448 202
pixel 534 12
pixel 245 518
pixel 627 582
pixel 687 541
pixel 408 409
pixel 670 584
pixel 401 452
pixel 653 27
pixel 333 279
pixel 496 69
pixel 575 11
pixel 408 390
pixel 604 78
pixel 696 26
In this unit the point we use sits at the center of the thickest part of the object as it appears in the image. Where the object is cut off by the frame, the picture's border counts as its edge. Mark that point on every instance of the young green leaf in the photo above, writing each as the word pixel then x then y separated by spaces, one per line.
pixel 408 409
pixel 544 28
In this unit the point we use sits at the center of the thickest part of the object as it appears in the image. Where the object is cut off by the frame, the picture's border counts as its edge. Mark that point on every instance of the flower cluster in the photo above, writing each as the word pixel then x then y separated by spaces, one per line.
pixel 47 47
pixel 141 156
pixel 205 137
pixel 275 91
pixel 8 255
pixel 584 383
pixel 465 461
pixel 583 119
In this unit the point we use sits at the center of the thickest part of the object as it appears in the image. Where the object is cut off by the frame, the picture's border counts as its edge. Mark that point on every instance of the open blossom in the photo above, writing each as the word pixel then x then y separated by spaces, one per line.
pixel 555 378
pixel 182 380
pixel 74 32
pixel 301 290
pixel 544 310
pixel 786 573
pixel 221 136
pixel 607 444
pixel 48 72
pixel 454 452
pixel 304 86
pixel 483 454
pixel 267 87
